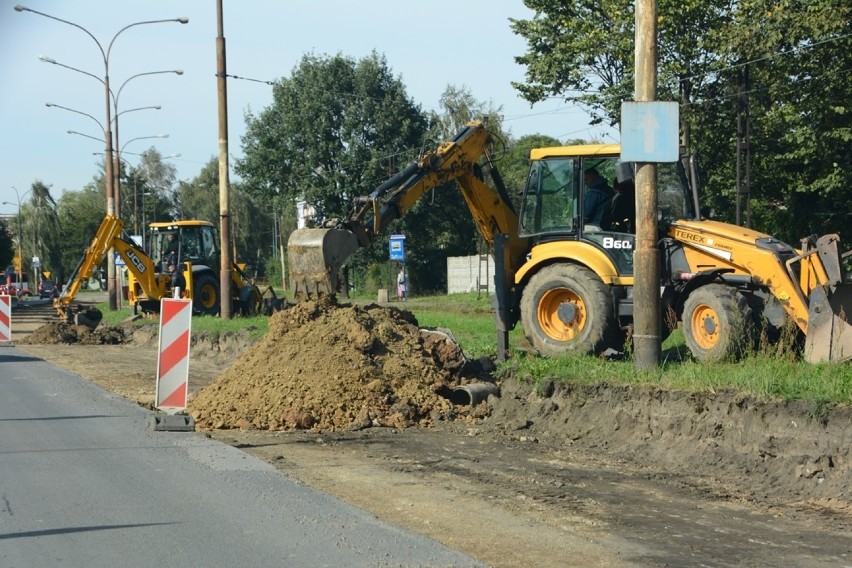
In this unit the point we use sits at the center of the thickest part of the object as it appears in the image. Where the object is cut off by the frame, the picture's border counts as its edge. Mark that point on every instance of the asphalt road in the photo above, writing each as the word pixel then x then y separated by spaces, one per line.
pixel 85 482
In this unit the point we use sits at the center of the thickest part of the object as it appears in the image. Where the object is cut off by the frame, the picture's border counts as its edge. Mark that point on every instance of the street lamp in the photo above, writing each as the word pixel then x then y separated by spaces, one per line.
pixel 155 107
pixel 139 138
pixel 113 292
pixel 98 122
pixel 20 238
pixel 117 186
pixel 116 166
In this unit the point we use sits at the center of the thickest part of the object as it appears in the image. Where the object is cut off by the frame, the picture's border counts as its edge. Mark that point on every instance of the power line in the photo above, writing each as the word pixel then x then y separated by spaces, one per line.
pixel 767 57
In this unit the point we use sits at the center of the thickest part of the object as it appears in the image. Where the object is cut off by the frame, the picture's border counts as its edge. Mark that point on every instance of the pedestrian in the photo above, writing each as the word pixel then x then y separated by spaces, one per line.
pixel 401 284
pixel 178 280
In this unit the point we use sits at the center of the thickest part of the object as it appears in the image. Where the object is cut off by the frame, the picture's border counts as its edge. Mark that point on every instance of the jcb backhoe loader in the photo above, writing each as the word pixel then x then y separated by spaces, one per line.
pixel 570 283
pixel 194 251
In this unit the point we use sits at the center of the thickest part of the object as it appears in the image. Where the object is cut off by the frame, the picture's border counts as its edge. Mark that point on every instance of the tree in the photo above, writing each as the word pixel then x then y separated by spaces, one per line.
pixel 251 222
pixel 336 129
pixel 797 53
pixel 148 191
pixel 514 161
pixel 332 132
pixel 7 246
pixel 40 226
pixel 198 198
pixel 80 214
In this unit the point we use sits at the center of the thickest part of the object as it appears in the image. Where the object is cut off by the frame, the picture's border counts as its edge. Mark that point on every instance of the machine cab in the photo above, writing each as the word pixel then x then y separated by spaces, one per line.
pixel 183 241
pixel 587 193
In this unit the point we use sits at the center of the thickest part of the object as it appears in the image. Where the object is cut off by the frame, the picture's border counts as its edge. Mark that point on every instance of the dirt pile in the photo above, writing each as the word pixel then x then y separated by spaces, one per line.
pixel 327 366
pixel 63 333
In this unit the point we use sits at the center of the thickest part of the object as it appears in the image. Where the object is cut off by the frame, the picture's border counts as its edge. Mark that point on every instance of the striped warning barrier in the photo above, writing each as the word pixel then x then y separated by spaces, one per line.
pixel 173 354
pixel 5 318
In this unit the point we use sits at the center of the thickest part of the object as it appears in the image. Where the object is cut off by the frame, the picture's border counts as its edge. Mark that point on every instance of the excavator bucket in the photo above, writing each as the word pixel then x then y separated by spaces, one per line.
pixel 315 257
pixel 829 335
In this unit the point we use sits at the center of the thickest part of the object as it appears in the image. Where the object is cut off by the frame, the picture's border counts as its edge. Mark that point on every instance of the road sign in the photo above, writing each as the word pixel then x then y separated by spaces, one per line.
pixel 650 131
pixel 173 354
pixel 5 318
pixel 118 260
pixel 397 247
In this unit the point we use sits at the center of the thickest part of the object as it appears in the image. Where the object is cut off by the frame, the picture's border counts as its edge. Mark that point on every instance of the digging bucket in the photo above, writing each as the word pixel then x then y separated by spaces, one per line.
pixel 315 257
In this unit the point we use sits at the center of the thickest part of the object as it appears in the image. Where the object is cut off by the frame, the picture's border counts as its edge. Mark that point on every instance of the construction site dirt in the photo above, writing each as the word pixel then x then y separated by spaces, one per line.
pixel 356 402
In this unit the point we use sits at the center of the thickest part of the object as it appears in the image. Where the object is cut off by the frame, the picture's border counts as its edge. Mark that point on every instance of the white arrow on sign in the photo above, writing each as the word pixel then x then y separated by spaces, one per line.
pixel 649 126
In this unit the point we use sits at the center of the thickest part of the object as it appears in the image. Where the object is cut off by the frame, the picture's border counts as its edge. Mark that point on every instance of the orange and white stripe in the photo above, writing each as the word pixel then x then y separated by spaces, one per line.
pixel 173 354
pixel 5 318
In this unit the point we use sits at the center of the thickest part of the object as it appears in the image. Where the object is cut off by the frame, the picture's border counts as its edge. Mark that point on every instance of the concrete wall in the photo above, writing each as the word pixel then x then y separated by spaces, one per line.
pixel 465 273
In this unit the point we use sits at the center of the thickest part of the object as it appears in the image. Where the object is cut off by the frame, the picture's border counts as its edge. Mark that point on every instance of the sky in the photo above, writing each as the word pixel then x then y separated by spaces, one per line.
pixel 429 45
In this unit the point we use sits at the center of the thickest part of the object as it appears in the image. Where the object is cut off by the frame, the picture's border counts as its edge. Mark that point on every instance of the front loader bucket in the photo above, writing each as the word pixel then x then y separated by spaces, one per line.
pixel 315 257
pixel 829 335
pixel 829 329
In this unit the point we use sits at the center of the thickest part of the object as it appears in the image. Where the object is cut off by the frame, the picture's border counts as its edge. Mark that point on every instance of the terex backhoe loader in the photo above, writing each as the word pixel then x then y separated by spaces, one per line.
pixel 570 284
pixel 195 251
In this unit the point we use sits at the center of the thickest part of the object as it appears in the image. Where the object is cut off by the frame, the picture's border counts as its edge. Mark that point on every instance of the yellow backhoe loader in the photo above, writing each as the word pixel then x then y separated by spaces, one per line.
pixel 570 282
pixel 190 245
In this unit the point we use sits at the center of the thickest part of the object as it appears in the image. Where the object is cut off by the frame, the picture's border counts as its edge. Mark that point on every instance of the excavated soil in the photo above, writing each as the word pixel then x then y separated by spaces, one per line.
pixel 64 333
pixel 326 366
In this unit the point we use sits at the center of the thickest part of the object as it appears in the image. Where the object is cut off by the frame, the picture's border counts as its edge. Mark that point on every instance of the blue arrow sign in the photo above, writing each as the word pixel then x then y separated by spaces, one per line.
pixel 650 131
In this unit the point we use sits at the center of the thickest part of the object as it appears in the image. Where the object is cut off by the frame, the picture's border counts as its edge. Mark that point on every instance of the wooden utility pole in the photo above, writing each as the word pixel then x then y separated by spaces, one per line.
pixel 646 257
pixel 224 194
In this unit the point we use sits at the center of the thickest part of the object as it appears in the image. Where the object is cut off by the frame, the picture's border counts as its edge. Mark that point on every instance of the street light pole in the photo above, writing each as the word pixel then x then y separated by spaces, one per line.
pixel 110 188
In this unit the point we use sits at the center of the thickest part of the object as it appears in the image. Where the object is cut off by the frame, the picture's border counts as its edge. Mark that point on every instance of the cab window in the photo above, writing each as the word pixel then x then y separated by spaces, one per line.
pixel 549 203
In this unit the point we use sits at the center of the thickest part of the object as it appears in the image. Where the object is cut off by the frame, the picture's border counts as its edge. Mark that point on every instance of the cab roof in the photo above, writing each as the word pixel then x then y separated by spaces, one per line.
pixel 582 150
pixel 184 223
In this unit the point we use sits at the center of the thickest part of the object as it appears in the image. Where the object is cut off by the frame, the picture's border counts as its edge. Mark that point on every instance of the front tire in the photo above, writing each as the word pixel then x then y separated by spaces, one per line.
pixel 205 297
pixel 717 323
pixel 566 308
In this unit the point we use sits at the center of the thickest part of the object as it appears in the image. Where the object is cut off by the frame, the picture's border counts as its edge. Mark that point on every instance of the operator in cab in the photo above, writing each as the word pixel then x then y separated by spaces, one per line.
pixel 597 201
pixel 173 247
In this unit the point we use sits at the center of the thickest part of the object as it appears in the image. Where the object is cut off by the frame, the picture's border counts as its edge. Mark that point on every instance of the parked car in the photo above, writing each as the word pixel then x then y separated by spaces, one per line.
pixel 12 290
pixel 47 289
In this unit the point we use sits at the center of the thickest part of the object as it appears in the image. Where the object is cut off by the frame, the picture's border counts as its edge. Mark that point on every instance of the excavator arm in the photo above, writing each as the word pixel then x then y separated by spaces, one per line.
pixel 316 255
pixel 109 236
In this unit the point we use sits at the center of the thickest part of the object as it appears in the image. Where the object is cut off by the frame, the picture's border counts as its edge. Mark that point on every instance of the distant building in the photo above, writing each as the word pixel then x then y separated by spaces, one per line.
pixel 305 214
pixel 470 274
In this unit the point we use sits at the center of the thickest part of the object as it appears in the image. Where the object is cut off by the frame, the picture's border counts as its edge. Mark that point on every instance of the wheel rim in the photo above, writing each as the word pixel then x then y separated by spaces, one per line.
pixel 548 314
pixel 208 296
pixel 705 326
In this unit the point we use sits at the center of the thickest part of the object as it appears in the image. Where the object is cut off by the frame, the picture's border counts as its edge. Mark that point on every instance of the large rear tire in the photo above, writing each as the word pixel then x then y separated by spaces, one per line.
pixel 205 297
pixel 566 308
pixel 717 323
